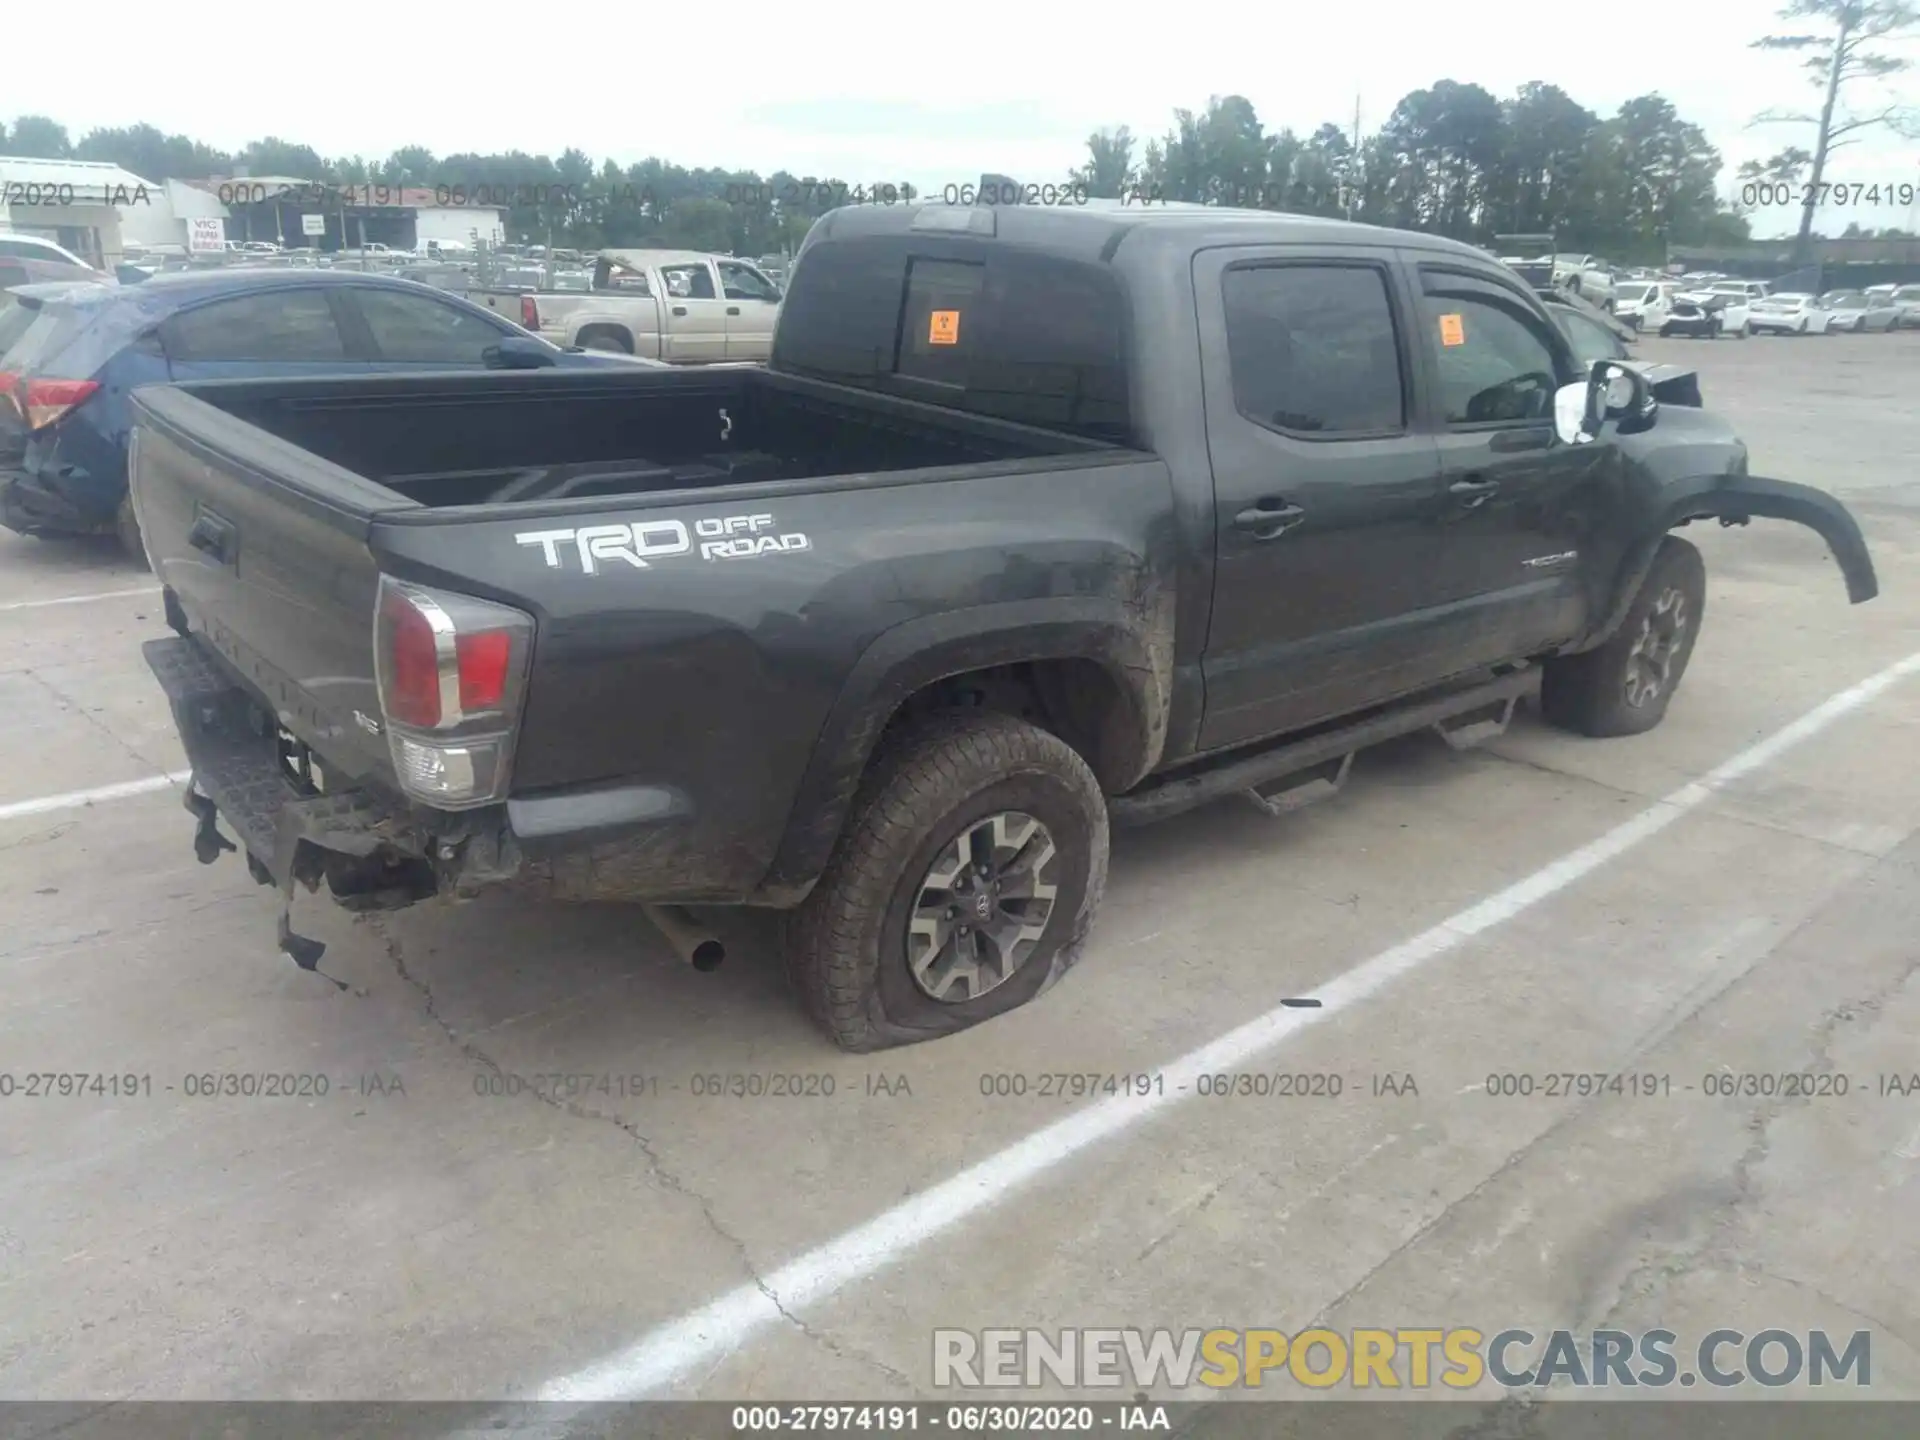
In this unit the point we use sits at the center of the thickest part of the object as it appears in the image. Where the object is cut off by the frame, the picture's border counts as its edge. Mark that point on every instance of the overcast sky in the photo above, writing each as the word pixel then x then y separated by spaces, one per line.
pixel 874 93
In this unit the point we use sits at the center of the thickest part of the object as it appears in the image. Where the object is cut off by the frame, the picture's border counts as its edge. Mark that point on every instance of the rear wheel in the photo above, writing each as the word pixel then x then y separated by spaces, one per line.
pixel 1625 686
pixel 963 886
pixel 609 340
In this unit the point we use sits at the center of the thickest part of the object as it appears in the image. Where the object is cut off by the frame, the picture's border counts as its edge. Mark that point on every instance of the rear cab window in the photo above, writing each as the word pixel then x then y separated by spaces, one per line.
pixel 1017 335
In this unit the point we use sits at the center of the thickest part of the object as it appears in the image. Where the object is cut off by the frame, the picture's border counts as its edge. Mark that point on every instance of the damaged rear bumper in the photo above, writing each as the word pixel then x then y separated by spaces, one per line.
pixel 373 853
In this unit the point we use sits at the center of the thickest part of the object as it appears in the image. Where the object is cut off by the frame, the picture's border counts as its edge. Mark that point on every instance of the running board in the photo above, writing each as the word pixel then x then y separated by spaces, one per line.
pixel 1301 772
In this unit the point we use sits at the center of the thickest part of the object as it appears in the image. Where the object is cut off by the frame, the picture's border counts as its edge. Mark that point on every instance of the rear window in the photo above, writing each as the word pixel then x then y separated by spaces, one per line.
pixel 1038 339
pixel 33 336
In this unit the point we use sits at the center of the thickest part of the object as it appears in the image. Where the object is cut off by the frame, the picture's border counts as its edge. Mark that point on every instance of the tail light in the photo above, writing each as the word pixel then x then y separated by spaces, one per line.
pixel 529 313
pixel 452 672
pixel 43 402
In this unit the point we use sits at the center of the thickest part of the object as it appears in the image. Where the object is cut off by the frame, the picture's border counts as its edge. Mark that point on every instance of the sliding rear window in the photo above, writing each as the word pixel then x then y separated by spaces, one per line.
pixel 994 331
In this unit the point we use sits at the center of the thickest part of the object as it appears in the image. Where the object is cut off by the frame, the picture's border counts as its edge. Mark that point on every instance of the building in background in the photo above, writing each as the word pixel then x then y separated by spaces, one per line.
pixel 294 213
pixel 82 205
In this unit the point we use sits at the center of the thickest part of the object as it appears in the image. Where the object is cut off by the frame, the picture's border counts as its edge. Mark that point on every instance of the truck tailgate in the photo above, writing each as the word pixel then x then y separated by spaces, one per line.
pixel 264 548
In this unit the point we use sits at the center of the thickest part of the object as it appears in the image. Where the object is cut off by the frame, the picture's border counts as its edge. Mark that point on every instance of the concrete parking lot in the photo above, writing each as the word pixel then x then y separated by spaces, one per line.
pixel 1737 893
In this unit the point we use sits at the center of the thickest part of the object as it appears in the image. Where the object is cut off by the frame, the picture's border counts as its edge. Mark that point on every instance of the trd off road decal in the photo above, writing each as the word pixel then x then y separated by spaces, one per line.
pixel 716 537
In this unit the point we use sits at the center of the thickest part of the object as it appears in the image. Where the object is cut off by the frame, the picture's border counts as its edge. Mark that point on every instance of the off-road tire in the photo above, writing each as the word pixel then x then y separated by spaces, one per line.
pixel 126 529
pixel 1588 693
pixel 846 945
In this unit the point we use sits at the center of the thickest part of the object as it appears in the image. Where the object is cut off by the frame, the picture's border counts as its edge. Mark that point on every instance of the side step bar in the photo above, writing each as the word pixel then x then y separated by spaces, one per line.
pixel 1299 772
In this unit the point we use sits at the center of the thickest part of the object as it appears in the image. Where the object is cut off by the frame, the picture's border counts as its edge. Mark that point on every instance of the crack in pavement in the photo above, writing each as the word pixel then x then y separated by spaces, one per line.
pixel 67 702
pixel 666 1177
pixel 1674 1022
pixel 1749 821
pixel 1651 1279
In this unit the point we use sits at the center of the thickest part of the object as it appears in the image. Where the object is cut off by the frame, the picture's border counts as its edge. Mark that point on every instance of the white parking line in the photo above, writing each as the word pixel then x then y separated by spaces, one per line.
pixel 78 599
pixel 694 1343
pixel 72 798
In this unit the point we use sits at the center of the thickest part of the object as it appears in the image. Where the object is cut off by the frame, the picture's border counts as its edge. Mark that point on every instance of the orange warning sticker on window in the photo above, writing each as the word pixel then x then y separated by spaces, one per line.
pixel 943 328
pixel 1453 330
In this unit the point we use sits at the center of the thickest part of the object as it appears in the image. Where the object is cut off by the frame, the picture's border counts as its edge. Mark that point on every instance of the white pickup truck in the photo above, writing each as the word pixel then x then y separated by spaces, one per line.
pixel 1587 276
pixel 681 306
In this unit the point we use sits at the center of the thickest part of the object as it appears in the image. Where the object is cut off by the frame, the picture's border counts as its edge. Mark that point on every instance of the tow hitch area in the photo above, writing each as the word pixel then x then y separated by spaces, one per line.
pixel 263 784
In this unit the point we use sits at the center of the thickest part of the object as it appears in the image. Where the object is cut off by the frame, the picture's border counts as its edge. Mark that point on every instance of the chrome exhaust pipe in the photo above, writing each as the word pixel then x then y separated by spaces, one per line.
pixel 691 941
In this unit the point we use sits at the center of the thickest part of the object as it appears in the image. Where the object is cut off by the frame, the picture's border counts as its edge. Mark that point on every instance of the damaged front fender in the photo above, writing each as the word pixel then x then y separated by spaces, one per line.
pixel 1734 500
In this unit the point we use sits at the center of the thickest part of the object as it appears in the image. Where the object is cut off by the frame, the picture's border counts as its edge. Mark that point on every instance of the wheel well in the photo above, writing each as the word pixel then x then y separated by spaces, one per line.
pixel 1079 700
pixel 612 332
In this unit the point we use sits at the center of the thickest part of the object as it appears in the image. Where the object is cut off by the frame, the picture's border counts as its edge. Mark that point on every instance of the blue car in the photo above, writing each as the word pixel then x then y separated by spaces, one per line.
pixel 71 355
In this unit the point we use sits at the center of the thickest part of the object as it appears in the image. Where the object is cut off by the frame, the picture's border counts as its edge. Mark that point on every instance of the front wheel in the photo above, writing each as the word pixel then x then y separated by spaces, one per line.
pixel 1625 686
pixel 962 887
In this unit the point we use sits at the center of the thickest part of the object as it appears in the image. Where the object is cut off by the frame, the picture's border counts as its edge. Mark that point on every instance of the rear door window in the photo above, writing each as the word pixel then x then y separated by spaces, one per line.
pixel 283 325
pixel 1313 349
pixel 688 282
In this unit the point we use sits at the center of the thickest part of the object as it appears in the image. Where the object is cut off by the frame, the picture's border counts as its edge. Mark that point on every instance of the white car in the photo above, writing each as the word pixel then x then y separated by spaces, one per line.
pixel 1790 313
pixel 1729 301
pixel 1643 304
pixel 1587 276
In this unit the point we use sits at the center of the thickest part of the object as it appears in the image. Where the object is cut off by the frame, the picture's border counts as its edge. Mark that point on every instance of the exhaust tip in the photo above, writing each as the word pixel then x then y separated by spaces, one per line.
pixel 707 956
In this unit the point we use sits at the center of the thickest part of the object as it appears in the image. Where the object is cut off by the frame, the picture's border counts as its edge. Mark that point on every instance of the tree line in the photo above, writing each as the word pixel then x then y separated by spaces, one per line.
pixel 1452 158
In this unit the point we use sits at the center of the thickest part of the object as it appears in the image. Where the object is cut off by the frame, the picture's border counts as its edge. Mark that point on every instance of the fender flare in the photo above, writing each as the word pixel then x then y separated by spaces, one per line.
pixel 916 653
pixel 1734 500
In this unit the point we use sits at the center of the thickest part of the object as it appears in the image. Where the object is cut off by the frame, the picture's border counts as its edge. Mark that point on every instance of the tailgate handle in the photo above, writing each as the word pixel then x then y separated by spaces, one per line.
pixel 213 535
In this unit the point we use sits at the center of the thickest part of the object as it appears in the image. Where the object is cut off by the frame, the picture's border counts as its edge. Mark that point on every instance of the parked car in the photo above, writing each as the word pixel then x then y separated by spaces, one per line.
pixel 909 712
pixel 1596 336
pixel 1907 299
pixel 29 260
pixel 1587 276
pixel 1643 304
pixel 1859 313
pixel 682 306
pixel 1791 313
pixel 1701 315
pixel 71 356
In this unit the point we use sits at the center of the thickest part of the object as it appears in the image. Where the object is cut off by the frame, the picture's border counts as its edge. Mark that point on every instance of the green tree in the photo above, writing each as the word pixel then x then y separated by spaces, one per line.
pixel 1109 171
pixel 1848 48
pixel 38 138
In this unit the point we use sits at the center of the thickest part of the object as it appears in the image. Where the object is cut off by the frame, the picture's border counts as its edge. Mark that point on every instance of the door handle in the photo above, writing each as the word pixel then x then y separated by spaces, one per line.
pixel 733 309
pixel 1269 518
pixel 213 535
pixel 1473 493
pixel 679 309
pixel 1538 437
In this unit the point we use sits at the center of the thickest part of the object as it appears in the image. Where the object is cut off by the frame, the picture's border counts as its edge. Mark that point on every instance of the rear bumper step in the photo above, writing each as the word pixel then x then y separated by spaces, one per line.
pixel 1318 765
pixel 368 851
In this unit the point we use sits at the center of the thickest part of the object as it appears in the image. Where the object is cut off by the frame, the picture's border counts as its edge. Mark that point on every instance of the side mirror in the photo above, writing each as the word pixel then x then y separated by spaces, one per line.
pixel 518 352
pixel 1619 393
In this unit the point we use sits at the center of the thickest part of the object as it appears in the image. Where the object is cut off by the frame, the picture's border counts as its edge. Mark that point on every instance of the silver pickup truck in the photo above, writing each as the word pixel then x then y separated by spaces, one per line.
pixel 681 306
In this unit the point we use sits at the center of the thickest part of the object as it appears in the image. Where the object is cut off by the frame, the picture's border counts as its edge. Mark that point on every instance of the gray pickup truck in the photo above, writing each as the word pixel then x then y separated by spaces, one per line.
pixel 1040 520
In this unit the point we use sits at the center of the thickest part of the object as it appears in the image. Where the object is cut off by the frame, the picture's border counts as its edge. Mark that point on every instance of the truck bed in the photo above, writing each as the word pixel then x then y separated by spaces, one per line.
pixel 547 436
pixel 812 519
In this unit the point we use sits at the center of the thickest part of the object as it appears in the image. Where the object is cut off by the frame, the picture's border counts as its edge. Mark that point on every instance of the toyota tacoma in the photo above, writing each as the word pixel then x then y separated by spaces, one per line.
pixel 1039 521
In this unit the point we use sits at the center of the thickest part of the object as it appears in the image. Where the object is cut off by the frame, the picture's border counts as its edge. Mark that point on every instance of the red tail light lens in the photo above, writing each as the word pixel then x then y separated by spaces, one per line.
pixel 484 660
pixel 529 313
pixel 412 691
pixel 45 401
pixel 452 673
